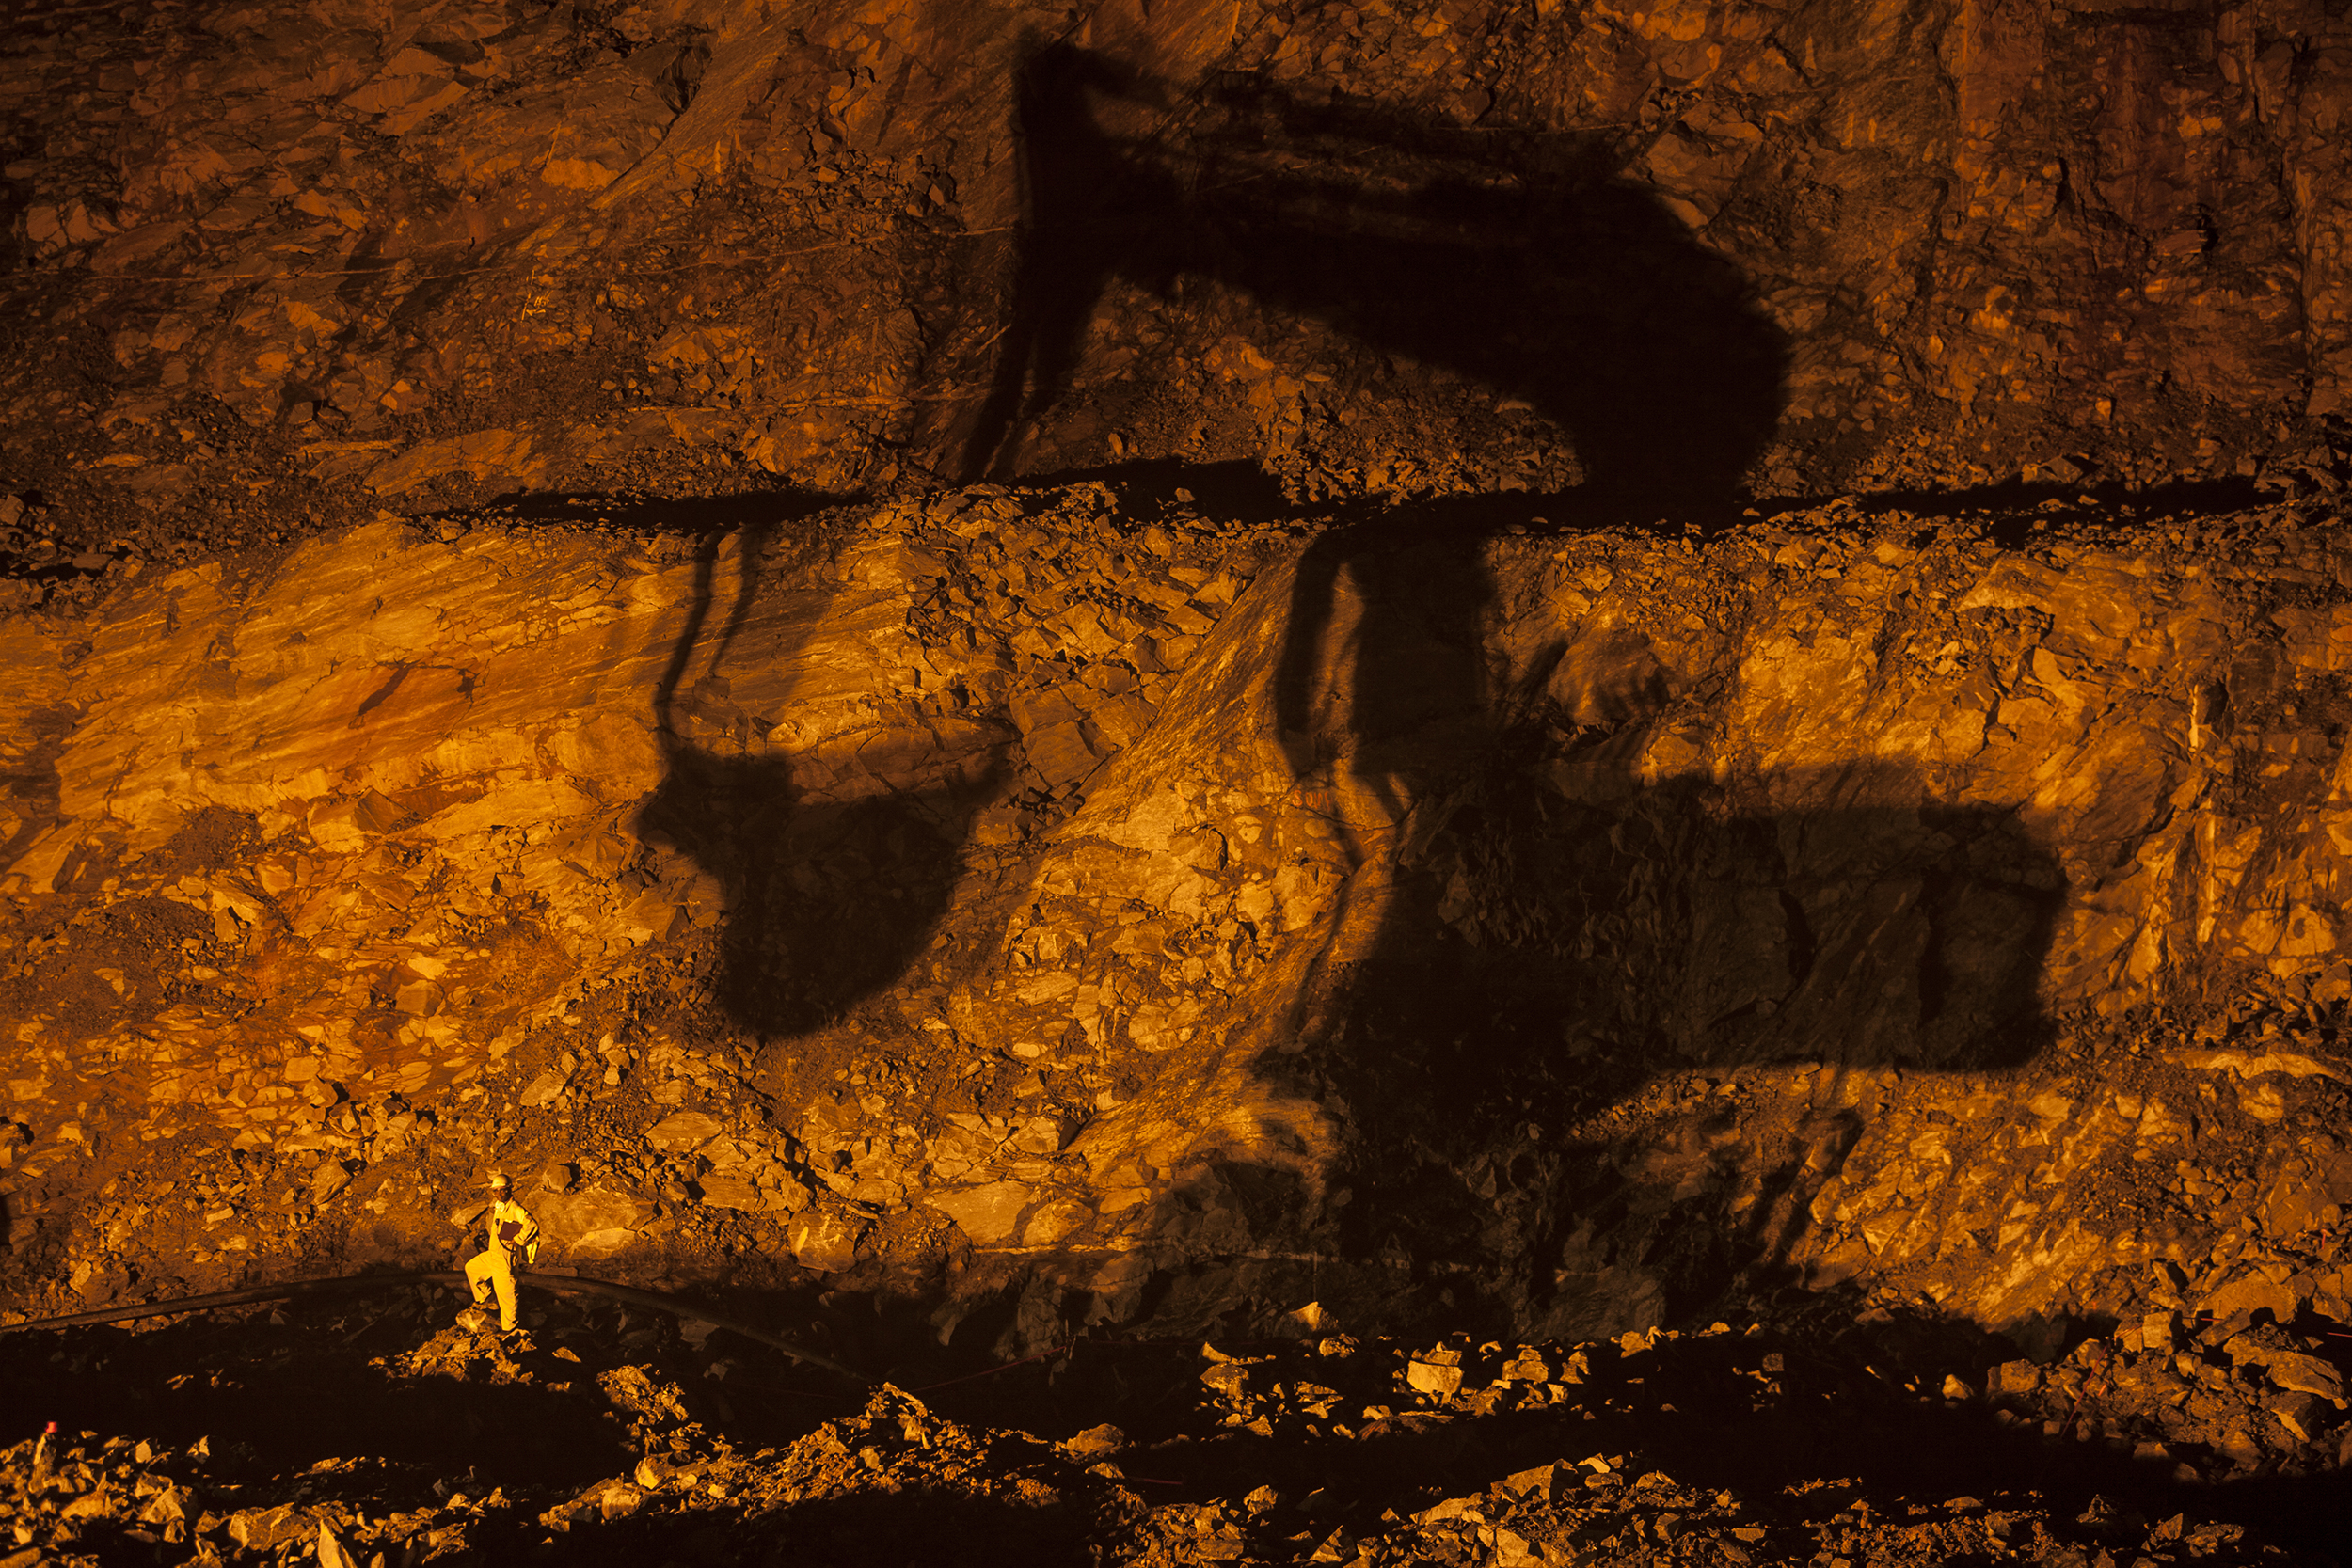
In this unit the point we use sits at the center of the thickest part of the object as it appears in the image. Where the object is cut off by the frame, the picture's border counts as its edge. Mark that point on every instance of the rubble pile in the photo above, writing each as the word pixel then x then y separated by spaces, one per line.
pixel 1780 1444
pixel 2248 1396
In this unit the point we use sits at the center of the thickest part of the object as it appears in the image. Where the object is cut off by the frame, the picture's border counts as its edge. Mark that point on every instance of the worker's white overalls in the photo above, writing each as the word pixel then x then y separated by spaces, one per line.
pixel 512 1234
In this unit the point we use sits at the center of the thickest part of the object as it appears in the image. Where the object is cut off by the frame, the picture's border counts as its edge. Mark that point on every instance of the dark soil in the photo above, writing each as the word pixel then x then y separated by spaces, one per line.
pixel 605 1435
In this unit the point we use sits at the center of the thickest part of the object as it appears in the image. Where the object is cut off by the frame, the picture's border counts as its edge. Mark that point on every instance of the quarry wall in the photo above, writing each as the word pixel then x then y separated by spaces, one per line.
pixel 441 253
pixel 1009 903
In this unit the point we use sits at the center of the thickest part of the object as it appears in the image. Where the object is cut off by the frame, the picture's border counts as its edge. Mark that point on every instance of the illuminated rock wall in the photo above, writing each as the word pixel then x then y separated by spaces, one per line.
pixel 440 252
pixel 996 899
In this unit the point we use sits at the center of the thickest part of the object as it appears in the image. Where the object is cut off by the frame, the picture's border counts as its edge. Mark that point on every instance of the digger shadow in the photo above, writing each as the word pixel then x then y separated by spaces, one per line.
pixel 1579 921
pixel 827 901
pixel 1580 918
pixel 826 904
pixel 1518 262
pixel 1522 262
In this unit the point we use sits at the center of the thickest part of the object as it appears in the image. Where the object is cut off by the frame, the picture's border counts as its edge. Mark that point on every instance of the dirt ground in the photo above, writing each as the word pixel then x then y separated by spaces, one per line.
pixel 376 1427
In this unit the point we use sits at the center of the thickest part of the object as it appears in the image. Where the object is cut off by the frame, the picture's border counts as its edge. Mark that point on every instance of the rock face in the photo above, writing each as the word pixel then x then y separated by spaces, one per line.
pixel 1054 915
pixel 444 252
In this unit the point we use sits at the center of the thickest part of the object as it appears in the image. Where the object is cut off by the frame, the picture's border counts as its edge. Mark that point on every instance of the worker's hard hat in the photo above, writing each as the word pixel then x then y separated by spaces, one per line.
pixel 498 1179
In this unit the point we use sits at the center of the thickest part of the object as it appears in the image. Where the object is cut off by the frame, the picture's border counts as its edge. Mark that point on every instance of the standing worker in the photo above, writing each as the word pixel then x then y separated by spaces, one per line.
pixel 510 1234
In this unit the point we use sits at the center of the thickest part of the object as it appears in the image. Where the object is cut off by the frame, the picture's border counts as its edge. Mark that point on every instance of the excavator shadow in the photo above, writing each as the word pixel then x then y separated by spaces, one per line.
pixel 1519 262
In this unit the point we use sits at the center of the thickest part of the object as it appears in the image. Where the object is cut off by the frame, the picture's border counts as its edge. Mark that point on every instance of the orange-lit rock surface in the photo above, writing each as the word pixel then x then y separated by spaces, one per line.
pixel 980 675
pixel 1001 900
pixel 291 262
